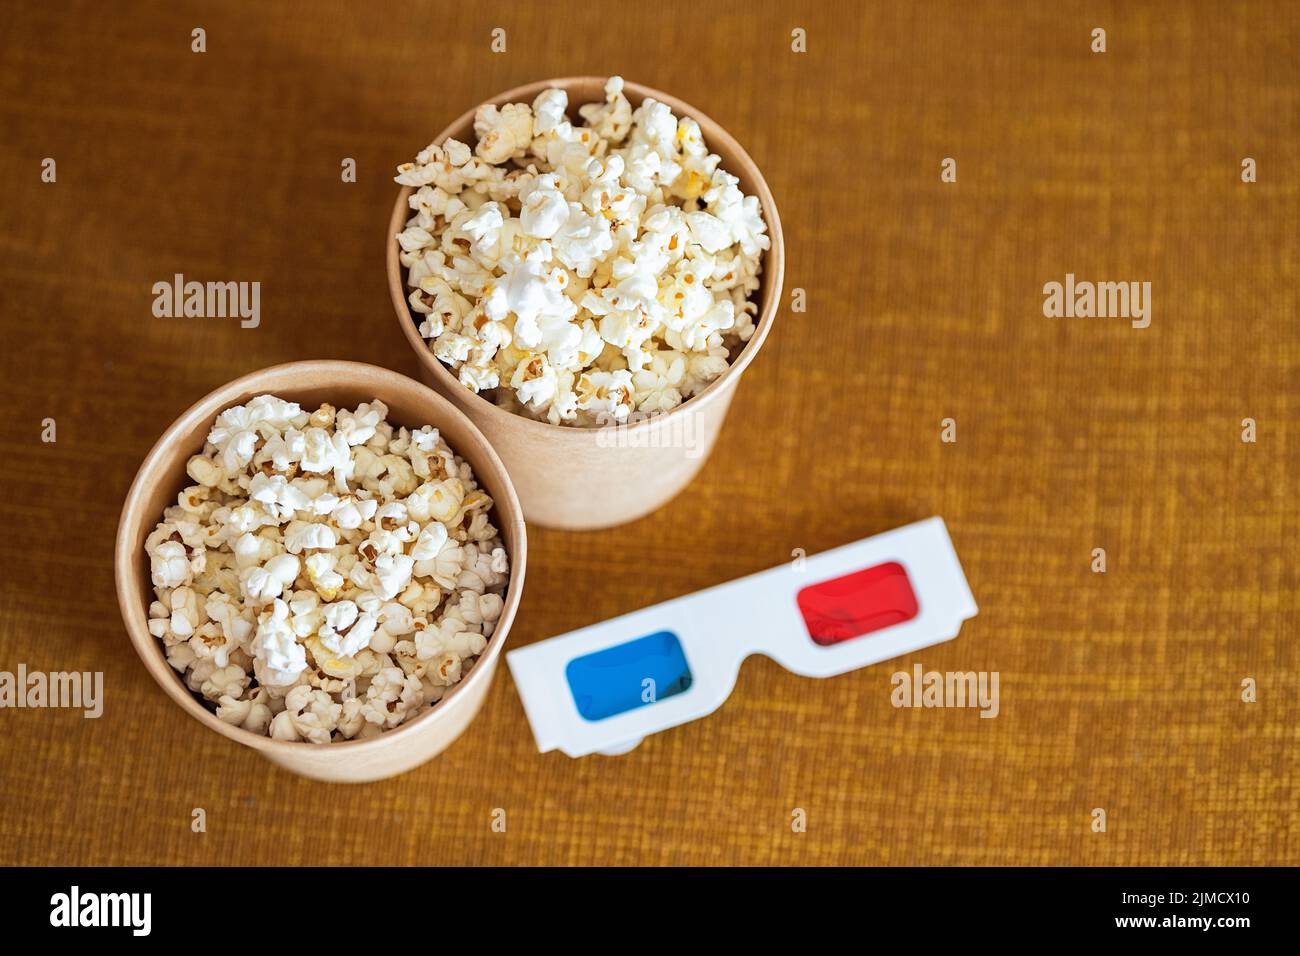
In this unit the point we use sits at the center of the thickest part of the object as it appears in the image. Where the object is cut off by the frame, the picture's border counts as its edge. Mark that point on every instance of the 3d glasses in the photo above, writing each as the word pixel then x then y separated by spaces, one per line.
pixel 603 688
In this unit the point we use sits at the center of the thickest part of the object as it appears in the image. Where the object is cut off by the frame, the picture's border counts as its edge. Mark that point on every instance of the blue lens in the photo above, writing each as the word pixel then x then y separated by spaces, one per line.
pixel 631 675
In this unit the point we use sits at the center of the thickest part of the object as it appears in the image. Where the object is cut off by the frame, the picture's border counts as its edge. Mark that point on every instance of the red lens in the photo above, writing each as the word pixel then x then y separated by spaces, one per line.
pixel 856 604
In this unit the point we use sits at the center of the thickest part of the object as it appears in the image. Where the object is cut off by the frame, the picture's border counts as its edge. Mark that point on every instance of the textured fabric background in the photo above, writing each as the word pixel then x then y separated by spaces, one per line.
pixel 1119 690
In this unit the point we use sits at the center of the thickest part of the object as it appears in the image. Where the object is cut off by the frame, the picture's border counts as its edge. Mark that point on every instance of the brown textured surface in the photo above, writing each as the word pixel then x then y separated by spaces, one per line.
pixel 1118 690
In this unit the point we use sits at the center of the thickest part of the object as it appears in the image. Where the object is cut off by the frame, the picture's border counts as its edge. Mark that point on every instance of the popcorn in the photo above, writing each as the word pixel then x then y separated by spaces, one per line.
pixel 302 536
pixel 252 712
pixel 225 682
pixel 323 577
pixel 312 713
pixel 263 584
pixel 329 575
pixel 392 574
pixel 351 720
pixel 392 696
pixel 503 133
pixel 553 263
pixel 607 394
pixel 204 471
pixel 169 565
pixel 276 648
pixel 544 207
pixel 612 119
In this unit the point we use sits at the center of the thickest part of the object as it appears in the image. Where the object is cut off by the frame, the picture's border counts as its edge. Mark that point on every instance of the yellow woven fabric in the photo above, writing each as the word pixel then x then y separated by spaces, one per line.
pixel 1119 691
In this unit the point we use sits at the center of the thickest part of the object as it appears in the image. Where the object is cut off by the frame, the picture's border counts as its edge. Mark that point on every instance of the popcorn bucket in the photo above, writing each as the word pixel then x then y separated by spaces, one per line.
pixel 587 478
pixel 162 476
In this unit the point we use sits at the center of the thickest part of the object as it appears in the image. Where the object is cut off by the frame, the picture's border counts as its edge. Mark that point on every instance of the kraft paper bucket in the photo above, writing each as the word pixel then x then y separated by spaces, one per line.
pixel 579 478
pixel 162 477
